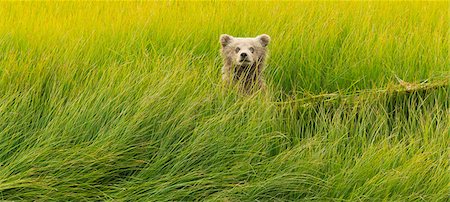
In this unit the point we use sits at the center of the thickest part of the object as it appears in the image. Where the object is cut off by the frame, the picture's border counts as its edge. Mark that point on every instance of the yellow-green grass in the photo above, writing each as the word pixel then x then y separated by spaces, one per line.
pixel 123 101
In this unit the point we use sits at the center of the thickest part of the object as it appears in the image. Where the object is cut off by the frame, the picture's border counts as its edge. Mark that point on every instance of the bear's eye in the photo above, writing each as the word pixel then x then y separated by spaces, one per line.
pixel 237 49
pixel 252 49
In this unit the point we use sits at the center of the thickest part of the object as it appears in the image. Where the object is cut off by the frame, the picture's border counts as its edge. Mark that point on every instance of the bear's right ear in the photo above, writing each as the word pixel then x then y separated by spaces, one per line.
pixel 225 39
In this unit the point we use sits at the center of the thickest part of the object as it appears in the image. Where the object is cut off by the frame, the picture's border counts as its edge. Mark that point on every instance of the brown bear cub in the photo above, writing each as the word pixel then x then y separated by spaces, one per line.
pixel 243 60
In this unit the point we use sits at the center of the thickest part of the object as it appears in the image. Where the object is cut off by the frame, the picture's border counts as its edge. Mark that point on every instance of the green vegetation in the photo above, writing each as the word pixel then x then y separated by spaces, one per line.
pixel 123 101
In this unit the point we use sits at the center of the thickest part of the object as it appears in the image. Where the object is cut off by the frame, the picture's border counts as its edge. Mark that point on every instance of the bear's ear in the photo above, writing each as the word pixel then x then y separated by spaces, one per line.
pixel 264 39
pixel 225 39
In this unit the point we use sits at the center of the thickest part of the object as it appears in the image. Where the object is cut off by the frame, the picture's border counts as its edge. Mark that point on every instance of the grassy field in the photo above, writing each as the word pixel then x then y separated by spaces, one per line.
pixel 123 101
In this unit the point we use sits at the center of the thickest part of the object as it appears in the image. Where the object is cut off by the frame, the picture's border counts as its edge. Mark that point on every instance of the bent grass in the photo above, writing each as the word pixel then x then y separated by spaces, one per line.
pixel 123 101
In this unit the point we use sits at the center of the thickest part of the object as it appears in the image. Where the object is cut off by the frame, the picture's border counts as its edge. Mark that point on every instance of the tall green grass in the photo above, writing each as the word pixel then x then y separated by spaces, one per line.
pixel 123 101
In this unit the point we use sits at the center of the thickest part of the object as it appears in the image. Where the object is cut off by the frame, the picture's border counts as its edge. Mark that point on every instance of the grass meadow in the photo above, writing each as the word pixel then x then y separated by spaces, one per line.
pixel 123 101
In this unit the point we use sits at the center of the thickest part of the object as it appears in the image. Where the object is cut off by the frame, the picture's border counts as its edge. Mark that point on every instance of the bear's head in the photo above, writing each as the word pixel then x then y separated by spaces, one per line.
pixel 244 51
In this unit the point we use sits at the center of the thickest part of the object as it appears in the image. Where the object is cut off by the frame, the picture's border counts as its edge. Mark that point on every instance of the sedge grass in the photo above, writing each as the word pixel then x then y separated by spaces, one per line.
pixel 123 101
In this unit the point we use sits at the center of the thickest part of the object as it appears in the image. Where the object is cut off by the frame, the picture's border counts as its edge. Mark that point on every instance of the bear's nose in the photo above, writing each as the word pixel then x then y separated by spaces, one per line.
pixel 243 55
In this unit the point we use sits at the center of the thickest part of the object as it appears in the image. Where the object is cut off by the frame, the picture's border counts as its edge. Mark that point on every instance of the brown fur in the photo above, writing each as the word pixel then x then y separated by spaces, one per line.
pixel 245 72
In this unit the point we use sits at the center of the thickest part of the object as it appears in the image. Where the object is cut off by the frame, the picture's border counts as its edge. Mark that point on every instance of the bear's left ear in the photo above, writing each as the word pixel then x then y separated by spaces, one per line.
pixel 264 39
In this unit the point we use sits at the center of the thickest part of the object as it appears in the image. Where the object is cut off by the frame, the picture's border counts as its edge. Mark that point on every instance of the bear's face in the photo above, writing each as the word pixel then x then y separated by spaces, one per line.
pixel 244 51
